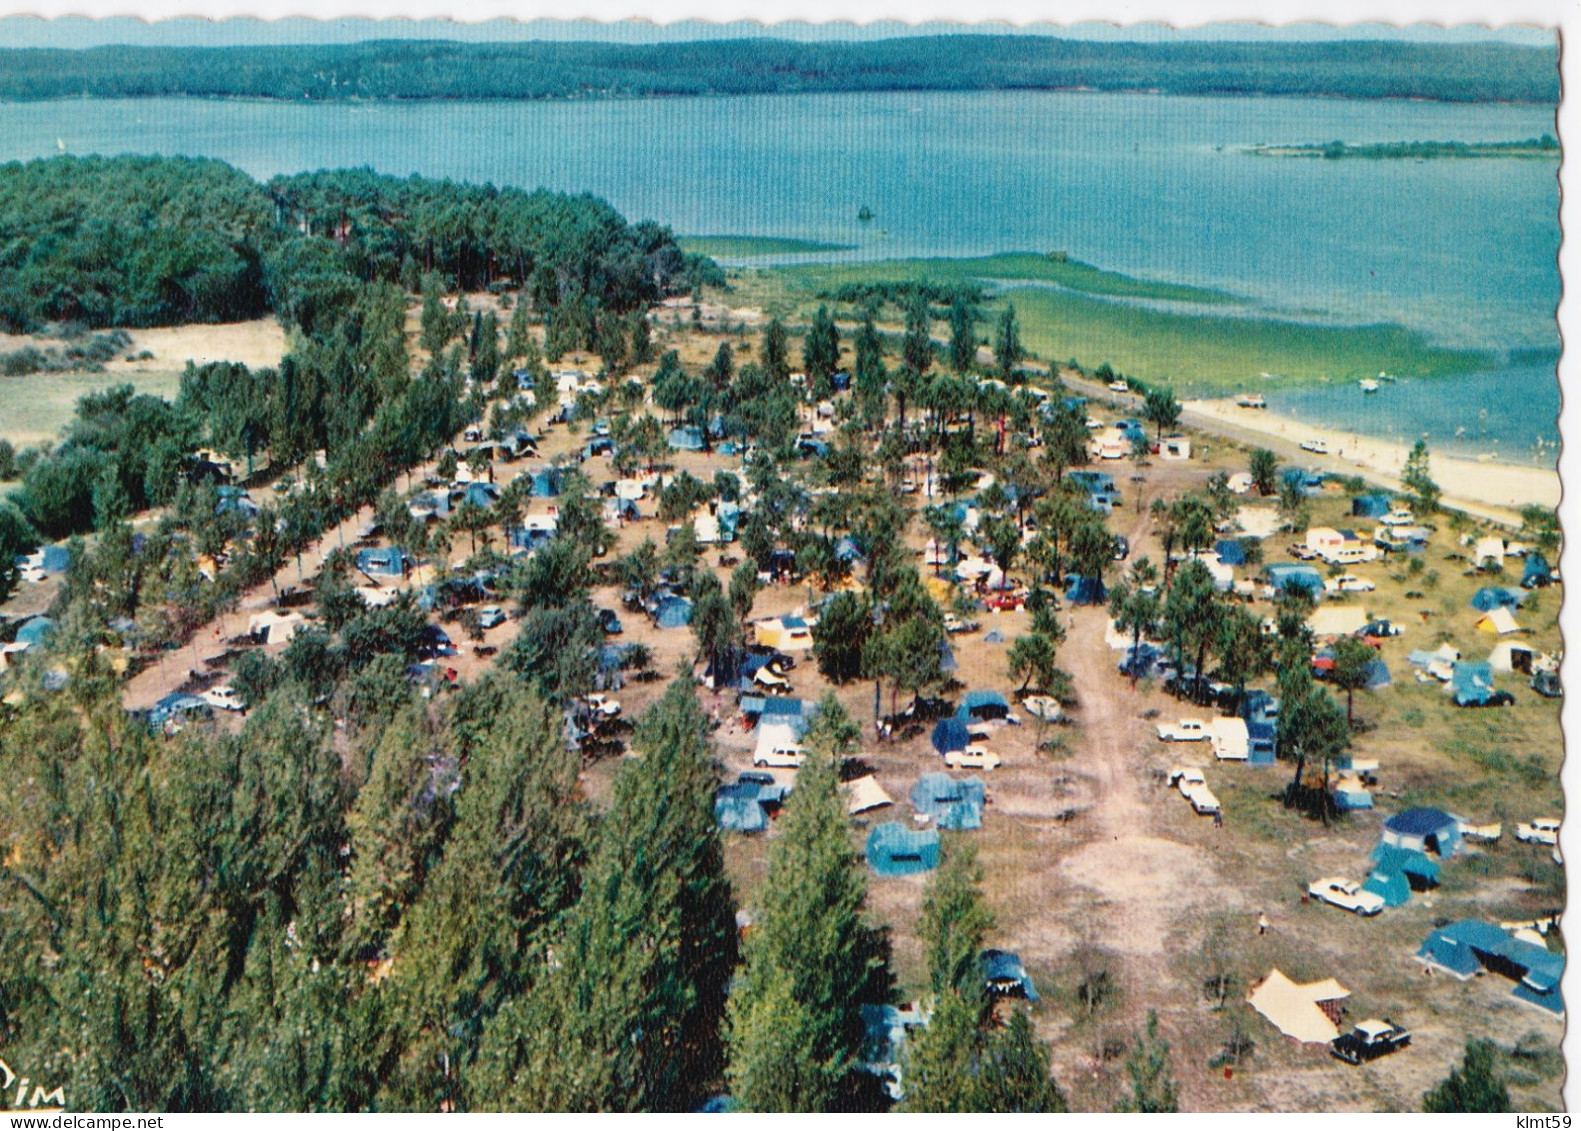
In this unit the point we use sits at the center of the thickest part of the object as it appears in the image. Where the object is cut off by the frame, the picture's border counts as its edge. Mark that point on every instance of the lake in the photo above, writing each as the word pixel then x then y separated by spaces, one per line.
pixel 1461 250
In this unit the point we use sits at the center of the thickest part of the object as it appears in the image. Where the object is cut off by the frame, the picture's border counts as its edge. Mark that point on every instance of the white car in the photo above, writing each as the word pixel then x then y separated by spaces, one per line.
pixel 603 705
pixel 1398 518
pixel 973 758
pixel 1119 387
pixel 1348 583
pixel 1346 895
pixel 1316 447
pixel 1541 830
pixel 1202 799
pixel 224 698
pixel 1043 707
pixel 1186 778
pixel 33 574
pixel 1186 730
pixel 782 756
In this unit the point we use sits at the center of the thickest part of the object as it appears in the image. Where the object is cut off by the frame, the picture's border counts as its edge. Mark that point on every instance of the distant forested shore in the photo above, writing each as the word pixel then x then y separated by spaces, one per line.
pixel 1545 146
pixel 448 70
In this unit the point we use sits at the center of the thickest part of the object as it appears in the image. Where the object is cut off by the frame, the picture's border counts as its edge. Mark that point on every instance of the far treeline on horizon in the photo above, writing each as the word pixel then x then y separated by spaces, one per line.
pixel 447 69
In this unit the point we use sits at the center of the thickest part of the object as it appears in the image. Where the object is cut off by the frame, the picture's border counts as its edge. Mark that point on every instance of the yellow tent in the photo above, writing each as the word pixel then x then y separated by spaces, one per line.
pixel 1299 1011
pixel 1498 621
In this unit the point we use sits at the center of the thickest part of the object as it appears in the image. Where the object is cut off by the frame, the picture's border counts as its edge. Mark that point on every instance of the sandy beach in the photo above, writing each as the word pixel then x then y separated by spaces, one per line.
pixel 1487 488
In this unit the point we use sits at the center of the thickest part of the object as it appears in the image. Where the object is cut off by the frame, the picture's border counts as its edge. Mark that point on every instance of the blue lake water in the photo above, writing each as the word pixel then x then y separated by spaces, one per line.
pixel 1462 250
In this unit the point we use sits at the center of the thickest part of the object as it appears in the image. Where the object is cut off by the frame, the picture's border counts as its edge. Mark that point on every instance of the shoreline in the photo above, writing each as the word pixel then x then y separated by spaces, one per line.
pixel 1480 487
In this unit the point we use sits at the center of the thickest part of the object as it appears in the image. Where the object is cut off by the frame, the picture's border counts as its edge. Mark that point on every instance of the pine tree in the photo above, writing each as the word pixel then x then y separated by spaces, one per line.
pixel 1475 1086
pixel 1007 344
pixel 776 352
pixel 811 961
pixel 1013 1073
pixel 1148 1070
pixel 963 335
pixel 954 919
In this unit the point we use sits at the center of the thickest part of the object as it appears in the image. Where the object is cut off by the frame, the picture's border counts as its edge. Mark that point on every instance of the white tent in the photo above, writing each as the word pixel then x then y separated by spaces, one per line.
pixel 864 794
pixel 1488 550
pixel 1242 482
pixel 1257 522
pixel 1502 658
pixel 1337 620
pixel 1499 620
pixel 1298 1010
pixel 1231 742
pixel 275 628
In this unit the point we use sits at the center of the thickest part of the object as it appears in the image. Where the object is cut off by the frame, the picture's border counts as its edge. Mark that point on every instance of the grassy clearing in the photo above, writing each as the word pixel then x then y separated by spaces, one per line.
pixel 35 408
pixel 744 247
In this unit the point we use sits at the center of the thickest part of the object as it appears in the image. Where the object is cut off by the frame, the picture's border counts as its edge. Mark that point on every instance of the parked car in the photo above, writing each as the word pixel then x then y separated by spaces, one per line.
pixel 1346 895
pixel 1185 777
pixel 609 622
pixel 1202 799
pixel 782 756
pixel 1398 518
pixel 1380 628
pixel 974 757
pixel 490 616
pixel 225 698
pixel 1540 830
pixel 1122 547
pixel 602 705
pixel 1043 707
pixel 955 624
pixel 1369 1040
pixel 1007 601
pixel 1185 730
pixel 1118 385
pixel 1348 583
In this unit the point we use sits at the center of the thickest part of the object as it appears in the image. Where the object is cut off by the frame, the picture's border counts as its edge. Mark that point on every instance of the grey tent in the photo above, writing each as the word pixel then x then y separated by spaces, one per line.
pixel 1536 573
pixel 673 612
pixel 952 804
pixel 895 850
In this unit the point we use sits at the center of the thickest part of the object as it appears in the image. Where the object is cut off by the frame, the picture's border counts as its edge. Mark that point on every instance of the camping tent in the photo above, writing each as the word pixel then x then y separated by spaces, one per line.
pixel 983 705
pixel 1423 830
pixel 1536 573
pixel 1370 506
pixel 865 793
pixel 1338 620
pixel 1466 947
pixel 686 439
pixel 1471 684
pixel 948 735
pixel 274 628
pixel 1283 575
pixel 1500 621
pixel 1004 974
pixel 1230 739
pixel 1488 550
pixel 1508 656
pixel 895 850
pixel 1085 591
pixel 1496 597
pixel 673 612
pixel 1230 551
pixel 1420 869
pixel 35 631
pixel 743 805
pixel 1308 1013
pixel 1377 674
pixel 952 804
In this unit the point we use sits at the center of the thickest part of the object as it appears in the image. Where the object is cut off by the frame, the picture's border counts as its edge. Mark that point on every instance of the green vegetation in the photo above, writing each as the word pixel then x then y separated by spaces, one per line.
pixel 746 247
pixel 412 69
pixel 1545 146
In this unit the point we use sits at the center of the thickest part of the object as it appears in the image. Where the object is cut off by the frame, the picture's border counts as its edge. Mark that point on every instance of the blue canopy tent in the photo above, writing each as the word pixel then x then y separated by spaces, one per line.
pixel 948 735
pixel 1370 506
pixel 673 612
pixel 1004 975
pixel 952 804
pixel 1377 674
pixel 1491 597
pixel 1085 591
pixel 1536 573
pixel 546 484
pixel 391 562
pixel 1231 552
pixel 1470 945
pixel 982 705
pixel 1423 830
pixel 895 850
pixel 35 631
pixel 1284 575
pixel 1472 684
pixel 686 439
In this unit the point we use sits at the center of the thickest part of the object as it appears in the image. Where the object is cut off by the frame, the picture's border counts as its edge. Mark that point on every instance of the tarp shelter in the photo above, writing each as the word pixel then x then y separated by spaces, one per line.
pixel 949 734
pixel 1085 591
pixel 1465 947
pixel 274 628
pixel 1472 684
pixel 1338 620
pixel 1423 830
pixel 952 804
pixel 1230 551
pixel 1421 870
pixel 982 705
pixel 686 439
pixel 862 794
pixel 384 561
pixel 895 850
pixel 1283 575
pixel 1004 975
pixel 1370 506
pixel 1500 622
pixel 1491 597
pixel 1308 1013
pixel 1536 573
pixel 673 612
pixel 35 631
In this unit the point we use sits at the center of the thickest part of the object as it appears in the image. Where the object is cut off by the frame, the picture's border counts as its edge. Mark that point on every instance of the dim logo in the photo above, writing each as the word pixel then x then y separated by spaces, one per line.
pixel 15 1095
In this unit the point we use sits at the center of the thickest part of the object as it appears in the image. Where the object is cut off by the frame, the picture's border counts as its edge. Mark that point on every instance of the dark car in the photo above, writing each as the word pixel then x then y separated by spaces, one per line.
pixel 609 622
pixel 1122 547
pixel 1368 1041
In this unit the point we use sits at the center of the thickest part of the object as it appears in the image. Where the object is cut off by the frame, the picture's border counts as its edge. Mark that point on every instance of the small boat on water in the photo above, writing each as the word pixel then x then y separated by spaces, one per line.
pixel 1368 385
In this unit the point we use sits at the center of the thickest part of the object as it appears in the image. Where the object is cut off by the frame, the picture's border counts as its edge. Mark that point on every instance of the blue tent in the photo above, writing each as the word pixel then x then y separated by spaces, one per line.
pixel 948 735
pixel 526 538
pixel 1086 591
pixel 846 549
pixel 1536 573
pixel 947 662
pixel 895 850
pixel 982 705
pixel 1465 947
pixel 686 439
pixel 1420 869
pixel 1423 830
pixel 1350 800
pixel 57 559
pixel 1231 552
pixel 1370 506
pixel 35 631
pixel 1283 575
pixel 1003 973
pixel 1391 887
pixel 994 636
pixel 546 484
pixel 391 562
pixel 673 612
pixel 1472 684
pixel 1493 597
pixel 1377 674
pixel 744 805
pixel 729 516
pixel 952 804
pixel 627 509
